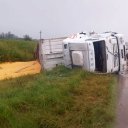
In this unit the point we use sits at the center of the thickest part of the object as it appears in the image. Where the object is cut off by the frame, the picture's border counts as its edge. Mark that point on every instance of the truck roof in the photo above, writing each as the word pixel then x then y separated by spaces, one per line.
pixel 82 37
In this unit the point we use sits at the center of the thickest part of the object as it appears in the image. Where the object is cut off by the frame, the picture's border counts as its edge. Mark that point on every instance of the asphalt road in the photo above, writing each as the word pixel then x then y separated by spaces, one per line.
pixel 122 106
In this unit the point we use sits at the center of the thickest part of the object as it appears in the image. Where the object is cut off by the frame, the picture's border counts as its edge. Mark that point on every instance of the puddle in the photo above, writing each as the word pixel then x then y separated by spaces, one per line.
pixel 122 106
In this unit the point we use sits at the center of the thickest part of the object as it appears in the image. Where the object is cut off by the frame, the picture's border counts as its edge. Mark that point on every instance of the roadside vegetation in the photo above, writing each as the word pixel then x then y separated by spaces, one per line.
pixel 61 98
pixel 16 50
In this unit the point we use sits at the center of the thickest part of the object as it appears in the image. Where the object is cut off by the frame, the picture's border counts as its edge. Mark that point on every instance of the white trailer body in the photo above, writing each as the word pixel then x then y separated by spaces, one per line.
pixel 126 47
pixel 101 52
pixel 51 52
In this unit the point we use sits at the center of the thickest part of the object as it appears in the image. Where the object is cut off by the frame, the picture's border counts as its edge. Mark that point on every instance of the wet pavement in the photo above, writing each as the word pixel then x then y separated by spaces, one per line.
pixel 122 106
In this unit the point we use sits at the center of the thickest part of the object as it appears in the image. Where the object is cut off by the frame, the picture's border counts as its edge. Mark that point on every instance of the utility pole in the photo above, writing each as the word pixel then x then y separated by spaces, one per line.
pixel 40 35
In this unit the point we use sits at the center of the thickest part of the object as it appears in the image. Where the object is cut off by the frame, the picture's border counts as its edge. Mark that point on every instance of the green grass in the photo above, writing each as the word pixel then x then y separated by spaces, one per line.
pixel 61 98
pixel 16 50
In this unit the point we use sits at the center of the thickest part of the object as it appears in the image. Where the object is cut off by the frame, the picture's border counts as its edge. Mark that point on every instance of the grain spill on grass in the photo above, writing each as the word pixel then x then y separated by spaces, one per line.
pixel 16 69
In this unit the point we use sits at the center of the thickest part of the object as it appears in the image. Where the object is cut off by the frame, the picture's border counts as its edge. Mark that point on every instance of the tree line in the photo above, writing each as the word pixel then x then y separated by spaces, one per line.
pixel 9 35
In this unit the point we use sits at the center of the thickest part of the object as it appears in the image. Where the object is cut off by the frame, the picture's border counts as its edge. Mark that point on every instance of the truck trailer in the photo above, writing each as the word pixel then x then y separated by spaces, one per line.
pixel 50 52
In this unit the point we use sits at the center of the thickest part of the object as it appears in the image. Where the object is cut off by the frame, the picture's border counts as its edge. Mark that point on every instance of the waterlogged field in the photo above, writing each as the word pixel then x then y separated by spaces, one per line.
pixel 61 98
pixel 16 50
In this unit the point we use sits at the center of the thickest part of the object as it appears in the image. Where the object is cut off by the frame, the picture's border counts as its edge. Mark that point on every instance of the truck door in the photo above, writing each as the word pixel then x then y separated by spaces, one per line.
pixel 115 55
pixel 123 65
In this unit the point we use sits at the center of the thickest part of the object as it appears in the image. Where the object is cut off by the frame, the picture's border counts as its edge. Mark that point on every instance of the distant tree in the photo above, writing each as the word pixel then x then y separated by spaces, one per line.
pixel 2 35
pixel 27 37
pixel 8 35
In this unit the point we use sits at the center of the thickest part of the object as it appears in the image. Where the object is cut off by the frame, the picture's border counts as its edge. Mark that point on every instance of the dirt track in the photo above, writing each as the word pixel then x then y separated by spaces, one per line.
pixel 16 69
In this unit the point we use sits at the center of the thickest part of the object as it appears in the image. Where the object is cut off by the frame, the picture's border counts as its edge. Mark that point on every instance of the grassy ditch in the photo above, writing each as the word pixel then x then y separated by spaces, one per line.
pixel 61 98
pixel 16 50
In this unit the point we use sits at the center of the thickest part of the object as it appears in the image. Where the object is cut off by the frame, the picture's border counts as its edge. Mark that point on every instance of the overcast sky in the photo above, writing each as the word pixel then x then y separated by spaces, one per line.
pixel 62 17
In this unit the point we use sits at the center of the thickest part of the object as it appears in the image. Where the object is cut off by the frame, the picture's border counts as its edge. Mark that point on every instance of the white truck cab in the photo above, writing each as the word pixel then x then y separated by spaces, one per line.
pixel 104 52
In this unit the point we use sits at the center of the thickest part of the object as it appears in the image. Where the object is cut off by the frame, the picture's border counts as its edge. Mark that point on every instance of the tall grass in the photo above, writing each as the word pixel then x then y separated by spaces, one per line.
pixel 61 98
pixel 16 50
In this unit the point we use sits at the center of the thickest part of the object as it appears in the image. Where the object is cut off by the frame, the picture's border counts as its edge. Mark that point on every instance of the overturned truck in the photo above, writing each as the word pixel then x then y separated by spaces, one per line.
pixel 105 53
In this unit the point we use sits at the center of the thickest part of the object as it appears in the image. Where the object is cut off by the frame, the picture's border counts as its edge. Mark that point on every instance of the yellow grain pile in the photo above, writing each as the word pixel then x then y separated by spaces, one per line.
pixel 16 69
